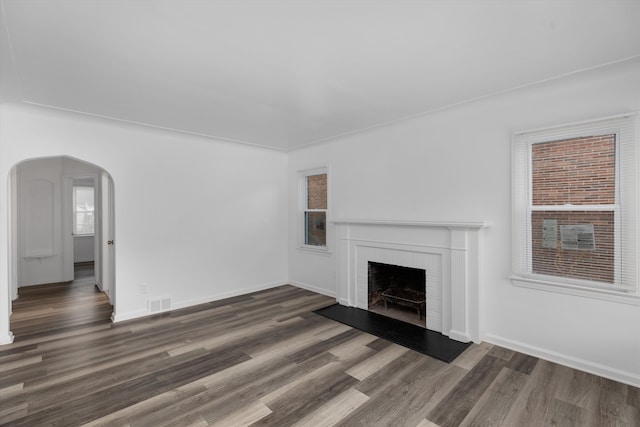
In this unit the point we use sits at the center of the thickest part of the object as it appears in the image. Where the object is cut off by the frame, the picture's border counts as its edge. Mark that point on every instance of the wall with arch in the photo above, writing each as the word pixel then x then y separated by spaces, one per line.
pixel 197 219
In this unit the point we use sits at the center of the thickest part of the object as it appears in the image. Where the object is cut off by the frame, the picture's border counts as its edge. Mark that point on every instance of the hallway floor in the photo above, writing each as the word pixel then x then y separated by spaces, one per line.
pixel 60 307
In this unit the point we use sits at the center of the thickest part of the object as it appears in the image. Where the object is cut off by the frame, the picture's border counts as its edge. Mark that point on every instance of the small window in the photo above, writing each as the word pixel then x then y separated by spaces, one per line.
pixel 574 209
pixel 314 209
pixel 83 211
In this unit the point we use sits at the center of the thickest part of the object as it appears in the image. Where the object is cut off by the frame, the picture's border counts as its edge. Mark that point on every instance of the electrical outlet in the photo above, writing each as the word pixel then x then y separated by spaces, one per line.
pixel 143 288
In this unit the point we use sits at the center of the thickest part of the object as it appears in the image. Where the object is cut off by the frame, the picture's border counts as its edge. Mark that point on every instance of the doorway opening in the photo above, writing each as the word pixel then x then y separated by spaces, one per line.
pixel 62 230
pixel 84 228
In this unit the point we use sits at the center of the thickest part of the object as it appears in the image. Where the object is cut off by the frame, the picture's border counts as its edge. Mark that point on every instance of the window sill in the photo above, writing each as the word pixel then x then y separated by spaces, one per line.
pixel 320 250
pixel 601 294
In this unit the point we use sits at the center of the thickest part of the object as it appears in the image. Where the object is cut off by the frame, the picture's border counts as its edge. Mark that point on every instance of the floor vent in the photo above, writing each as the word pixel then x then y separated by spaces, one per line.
pixel 159 304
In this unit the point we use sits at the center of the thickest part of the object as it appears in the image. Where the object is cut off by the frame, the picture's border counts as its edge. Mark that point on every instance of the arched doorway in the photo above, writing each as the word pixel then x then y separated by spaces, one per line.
pixel 46 228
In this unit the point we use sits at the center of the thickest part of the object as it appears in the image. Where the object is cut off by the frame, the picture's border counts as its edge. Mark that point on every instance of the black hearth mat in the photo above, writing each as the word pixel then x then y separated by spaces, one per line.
pixel 422 340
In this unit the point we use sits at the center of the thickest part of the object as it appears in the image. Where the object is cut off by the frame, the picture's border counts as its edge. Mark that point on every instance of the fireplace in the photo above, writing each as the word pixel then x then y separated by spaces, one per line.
pixel 447 253
pixel 398 292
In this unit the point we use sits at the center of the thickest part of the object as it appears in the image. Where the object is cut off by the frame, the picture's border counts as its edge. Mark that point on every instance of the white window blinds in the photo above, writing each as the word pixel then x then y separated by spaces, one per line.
pixel 575 192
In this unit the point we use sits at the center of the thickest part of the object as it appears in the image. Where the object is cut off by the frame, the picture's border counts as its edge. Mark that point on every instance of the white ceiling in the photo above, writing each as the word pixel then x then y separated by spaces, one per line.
pixel 284 74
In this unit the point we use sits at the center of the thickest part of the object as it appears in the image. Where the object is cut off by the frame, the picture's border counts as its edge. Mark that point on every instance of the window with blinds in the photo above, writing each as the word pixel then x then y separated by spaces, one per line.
pixel 575 214
pixel 314 208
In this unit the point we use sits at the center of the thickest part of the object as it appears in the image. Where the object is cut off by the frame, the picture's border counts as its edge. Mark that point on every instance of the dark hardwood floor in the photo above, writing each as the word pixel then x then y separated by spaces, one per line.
pixel 266 359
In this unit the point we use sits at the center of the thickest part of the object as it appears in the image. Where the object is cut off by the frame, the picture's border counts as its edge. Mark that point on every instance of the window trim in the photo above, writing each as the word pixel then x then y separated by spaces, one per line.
pixel 625 201
pixel 302 208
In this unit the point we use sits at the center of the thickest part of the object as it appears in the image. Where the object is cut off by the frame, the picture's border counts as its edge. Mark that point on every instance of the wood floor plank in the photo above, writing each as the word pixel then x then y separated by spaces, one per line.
pixel 191 420
pixel 494 404
pixel 532 403
pixel 8 392
pixel 10 413
pixel 577 388
pixel 472 355
pixel 267 387
pixel 102 402
pixel 334 410
pixel 502 353
pixel 522 363
pixel 266 359
pixel 140 410
pixel 303 400
pixel 563 414
pixel 246 416
pixel 379 344
pixel 397 406
pixel 230 390
pixel 457 405
pixel 633 397
pixel 612 405
pixel 377 362
pixel 45 394
pixel 325 345
pixel 24 361
pixel 357 344
pixel 276 396
pixel 390 374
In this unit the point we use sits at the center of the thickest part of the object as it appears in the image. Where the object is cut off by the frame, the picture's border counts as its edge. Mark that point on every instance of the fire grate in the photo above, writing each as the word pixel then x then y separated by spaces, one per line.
pixel 405 297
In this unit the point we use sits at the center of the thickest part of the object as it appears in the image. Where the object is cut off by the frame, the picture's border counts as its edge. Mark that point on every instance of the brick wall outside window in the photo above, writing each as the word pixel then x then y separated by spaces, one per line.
pixel 578 171
pixel 317 191
pixel 595 265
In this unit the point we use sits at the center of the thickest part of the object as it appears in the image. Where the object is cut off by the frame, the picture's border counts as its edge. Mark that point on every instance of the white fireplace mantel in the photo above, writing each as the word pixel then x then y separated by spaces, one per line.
pixel 401 223
pixel 450 251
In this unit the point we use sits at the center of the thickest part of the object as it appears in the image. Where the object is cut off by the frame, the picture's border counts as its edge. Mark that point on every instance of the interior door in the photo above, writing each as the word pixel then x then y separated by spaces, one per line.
pixel 108 242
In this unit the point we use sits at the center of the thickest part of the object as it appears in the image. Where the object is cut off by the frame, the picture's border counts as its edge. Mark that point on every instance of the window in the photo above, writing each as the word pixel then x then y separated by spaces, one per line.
pixel 314 208
pixel 83 211
pixel 575 217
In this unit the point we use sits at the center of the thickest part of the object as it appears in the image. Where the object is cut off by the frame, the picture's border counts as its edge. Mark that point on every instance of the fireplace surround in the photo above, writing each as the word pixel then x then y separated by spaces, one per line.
pixel 449 253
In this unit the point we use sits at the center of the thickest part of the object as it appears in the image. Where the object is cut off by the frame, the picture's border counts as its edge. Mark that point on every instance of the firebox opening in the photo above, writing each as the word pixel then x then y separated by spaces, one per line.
pixel 398 292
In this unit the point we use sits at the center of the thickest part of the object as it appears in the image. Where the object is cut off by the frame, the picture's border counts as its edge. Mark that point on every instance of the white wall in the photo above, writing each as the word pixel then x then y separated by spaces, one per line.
pixel 196 219
pixel 83 249
pixel 455 165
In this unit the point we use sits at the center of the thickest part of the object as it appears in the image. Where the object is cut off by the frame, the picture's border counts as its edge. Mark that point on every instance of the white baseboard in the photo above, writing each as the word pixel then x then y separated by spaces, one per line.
pixel 312 288
pixel 227 294
pixel 121 317
pixel 6 339
pixel 570 361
